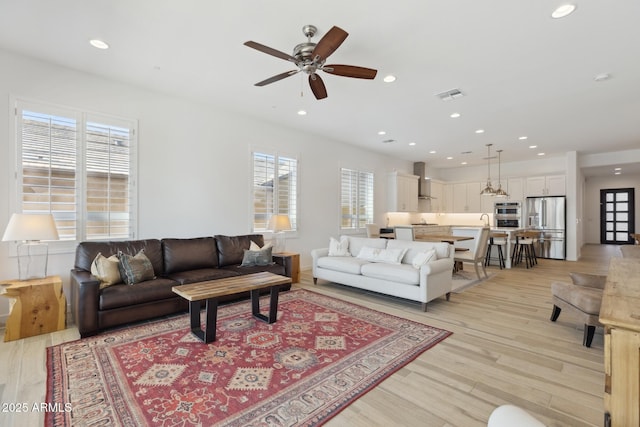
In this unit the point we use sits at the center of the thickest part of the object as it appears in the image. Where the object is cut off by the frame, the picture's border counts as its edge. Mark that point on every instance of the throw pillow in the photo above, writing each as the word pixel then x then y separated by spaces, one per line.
pixel 423 257
pixel 259 257
pixel 135 269
pixel 254 246
pixel 106 270
pixel 339 248
pixel 389 256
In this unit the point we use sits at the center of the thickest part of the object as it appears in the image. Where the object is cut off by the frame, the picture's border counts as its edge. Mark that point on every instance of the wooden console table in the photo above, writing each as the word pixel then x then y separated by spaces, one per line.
pixel 620 315
pixel 38 306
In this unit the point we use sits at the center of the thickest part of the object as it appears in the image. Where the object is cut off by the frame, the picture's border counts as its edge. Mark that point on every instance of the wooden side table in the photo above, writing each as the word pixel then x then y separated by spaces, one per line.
pixel 38 306
pixel 291 264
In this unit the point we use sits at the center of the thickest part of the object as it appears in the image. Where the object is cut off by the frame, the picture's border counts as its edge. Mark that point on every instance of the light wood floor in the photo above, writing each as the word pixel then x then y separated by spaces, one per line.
pixel 504 349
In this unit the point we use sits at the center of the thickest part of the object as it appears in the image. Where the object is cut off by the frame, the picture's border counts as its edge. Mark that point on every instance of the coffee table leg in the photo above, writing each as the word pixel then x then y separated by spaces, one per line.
pixel 209 333
pixel 273 304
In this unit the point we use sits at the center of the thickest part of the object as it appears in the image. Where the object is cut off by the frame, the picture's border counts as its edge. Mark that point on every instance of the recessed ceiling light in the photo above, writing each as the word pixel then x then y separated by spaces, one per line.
pixel 463 163
pixel 480 131
pixel 602 77
pixel 540 154
pixel 617 169
pixel 563 11
pixel 389 79
pixel 412 144
pixel 533 146
pixel 99 44
pixel 455 115
pixel 381 132
pixel 302 113
pixel 449 158
pixel 617 173
pixel 432 152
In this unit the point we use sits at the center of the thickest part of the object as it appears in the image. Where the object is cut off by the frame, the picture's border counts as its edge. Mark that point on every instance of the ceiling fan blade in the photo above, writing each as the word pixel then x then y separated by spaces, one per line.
pixel 330 42
pixel 317 86
pixel 270 51
pixel 277 77
pixel 350 71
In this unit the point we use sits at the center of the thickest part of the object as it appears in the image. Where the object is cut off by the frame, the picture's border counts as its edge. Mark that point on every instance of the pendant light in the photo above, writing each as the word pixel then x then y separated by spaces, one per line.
pixel 488 190
pixel 499 191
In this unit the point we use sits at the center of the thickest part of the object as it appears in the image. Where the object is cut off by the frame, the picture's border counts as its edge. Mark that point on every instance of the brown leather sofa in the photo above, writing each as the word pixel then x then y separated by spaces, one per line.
pixel 175 262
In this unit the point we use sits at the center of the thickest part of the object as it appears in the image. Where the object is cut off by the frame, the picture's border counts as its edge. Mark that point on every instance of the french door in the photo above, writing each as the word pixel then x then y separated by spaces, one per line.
pixel 617 216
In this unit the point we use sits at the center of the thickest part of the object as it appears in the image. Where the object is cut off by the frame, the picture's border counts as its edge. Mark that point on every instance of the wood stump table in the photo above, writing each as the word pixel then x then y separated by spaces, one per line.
pixel 38 306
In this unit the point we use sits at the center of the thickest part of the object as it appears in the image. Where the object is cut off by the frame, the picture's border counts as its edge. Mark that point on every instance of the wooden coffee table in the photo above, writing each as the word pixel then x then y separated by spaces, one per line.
pixel 211 290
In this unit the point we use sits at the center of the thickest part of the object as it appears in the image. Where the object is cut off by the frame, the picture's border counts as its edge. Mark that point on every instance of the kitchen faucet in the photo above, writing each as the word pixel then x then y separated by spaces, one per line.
pixel 486 224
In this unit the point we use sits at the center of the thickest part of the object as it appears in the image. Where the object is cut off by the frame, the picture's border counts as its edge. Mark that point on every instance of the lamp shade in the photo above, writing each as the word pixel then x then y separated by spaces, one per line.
pixel 279 223
pixel 30 227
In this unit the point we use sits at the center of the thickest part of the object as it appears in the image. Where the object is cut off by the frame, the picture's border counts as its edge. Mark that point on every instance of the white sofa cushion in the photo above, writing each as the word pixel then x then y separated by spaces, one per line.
pixel 339 248
pixel 401 273
pixel 345 264
pixel 423 257
pixel 357 243
pixel 390 256
pixel 414 248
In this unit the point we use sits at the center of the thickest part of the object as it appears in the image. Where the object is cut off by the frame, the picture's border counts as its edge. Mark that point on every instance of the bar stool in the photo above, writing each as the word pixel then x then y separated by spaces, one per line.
pixel 499 240
pixel 524 243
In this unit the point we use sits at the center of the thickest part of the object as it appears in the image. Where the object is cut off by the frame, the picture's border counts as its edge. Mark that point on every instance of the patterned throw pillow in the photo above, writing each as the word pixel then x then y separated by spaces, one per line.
pixel 135 269
pixel 339 248
pixel 106 270
pixel 260 257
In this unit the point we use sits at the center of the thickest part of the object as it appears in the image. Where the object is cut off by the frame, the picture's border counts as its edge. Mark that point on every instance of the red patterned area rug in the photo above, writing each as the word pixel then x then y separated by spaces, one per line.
pixel 318 357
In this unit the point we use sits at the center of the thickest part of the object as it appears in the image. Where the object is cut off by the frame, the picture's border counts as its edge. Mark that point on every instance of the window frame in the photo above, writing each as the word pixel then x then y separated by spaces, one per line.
pixel 82 118
pixel 369 204
pixel 295 219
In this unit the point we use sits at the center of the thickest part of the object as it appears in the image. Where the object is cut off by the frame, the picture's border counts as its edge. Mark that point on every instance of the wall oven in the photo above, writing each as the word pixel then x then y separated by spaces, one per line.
pixel 508 214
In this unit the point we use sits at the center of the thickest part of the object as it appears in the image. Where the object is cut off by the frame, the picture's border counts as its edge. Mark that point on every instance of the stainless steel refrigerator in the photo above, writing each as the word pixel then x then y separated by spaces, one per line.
pixel 548 215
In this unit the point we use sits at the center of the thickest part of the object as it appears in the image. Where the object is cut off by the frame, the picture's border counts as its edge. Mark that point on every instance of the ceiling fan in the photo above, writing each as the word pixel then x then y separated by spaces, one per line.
pixel 310 57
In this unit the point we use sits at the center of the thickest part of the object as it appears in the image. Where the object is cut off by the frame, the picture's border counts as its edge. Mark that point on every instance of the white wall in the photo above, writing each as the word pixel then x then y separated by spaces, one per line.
pixel 194 161
pixel 593 185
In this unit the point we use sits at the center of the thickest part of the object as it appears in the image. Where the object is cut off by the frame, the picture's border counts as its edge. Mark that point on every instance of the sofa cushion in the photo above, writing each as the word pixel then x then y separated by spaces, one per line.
pixel 357 243
pixel 260 257
pixel 231 248
pixel 122 295
pixel 106 270
pixel 339 247
pixel 423 258
pixel 86 252
pixel 390 256
pixel 401 273
pixel 189 254
pixel 343 264
pixel 414 248
pixel 135 269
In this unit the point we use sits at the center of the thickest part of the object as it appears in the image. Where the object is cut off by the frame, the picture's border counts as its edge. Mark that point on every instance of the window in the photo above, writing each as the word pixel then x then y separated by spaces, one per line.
pixel 275 189
pixel 356 199
pixel 78 166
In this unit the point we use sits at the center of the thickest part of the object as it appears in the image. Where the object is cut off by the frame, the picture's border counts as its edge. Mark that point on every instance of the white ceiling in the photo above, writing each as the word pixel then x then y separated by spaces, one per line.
pixel 523 73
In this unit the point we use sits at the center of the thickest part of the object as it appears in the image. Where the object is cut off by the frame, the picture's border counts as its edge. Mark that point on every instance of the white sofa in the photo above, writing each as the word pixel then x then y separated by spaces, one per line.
pixel 429 281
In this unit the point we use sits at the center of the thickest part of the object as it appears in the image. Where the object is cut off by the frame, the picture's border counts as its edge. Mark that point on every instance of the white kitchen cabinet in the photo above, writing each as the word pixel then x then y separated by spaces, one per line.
pixel 466 197
pixel 447 198
pixel 437 201
pixel 515 188
pixel 552 185
pixel 402 193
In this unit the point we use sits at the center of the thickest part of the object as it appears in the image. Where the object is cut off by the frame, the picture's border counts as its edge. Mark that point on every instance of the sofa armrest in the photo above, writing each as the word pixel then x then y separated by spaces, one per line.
pixel 437 266
pixel 319 253
pixel 85 289
pixel 588 280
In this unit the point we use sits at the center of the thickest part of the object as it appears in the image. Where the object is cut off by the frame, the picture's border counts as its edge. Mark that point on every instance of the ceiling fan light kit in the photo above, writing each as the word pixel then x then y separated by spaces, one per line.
pixel 310 58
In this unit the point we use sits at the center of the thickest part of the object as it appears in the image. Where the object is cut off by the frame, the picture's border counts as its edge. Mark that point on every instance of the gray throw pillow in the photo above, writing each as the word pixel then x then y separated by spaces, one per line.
pixel 253 258
pixel 135 269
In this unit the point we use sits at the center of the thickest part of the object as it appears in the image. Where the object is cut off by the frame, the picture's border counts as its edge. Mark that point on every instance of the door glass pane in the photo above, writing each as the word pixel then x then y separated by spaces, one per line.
pixel 622 237
pixel 609 216
pixel 610 197
pixel 622 206
pixel 609 226
pixel 609 207
pixel 622 197
pixel 609 236
pixel 622 216
pixel 622 226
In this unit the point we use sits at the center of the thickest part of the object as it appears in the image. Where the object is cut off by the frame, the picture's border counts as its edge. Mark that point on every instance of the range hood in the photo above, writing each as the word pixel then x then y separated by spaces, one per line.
pixel 424 184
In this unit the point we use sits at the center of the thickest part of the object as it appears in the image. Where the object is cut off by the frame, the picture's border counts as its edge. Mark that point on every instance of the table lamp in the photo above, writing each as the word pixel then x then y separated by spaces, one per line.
pixel 279 223
pixel 29 230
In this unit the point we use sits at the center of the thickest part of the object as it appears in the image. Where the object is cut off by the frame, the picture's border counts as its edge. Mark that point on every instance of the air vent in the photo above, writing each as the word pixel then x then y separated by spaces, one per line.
pixel 388 141
pixel 450 95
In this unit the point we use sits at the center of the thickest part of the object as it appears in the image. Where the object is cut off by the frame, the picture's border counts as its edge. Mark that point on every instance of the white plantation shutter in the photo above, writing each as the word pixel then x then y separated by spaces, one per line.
pixel 356 199
pixel 275 189
pixel 78 167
